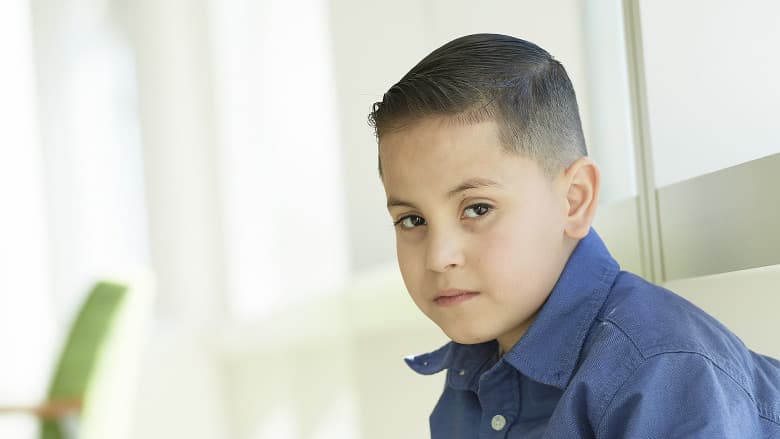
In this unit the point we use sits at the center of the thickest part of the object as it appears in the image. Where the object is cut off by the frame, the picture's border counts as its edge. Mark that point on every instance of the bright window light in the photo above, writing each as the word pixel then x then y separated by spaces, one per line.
pixel 26 323
pixel 281 163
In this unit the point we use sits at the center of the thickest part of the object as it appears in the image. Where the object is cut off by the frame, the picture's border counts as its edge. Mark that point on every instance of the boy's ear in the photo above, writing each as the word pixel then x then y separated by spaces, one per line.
pixel 582 181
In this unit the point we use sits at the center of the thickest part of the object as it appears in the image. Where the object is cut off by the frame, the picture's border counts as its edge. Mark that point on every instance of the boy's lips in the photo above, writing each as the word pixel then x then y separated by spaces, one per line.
pixel 451 297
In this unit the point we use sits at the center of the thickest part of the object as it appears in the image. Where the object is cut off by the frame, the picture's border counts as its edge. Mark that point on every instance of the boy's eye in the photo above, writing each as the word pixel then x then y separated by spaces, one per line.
pixel 411 221
pixel 476 210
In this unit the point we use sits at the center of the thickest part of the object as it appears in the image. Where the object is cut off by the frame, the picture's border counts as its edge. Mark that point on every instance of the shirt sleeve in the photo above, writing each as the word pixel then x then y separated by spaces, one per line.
pixel 680 395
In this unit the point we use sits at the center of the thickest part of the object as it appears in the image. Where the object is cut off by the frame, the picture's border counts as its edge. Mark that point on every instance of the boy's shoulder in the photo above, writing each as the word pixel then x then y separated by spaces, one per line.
pixel 646 338
pixel 658 327
pixel 658 321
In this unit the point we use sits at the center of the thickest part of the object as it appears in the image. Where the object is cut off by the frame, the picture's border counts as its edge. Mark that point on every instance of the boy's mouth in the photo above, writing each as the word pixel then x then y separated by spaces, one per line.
pixel 452 297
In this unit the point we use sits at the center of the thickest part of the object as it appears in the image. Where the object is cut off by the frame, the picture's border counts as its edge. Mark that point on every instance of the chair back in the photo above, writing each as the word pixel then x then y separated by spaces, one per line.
pixel 82 349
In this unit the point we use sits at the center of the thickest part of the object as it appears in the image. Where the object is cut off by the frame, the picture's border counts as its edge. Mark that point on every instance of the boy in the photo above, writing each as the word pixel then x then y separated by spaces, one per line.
pixel 492 194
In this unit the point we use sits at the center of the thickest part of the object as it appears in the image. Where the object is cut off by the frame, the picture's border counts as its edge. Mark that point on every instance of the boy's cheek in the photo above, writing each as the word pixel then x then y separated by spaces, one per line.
pixel 410 248
pixel 410 270
pixel 413 280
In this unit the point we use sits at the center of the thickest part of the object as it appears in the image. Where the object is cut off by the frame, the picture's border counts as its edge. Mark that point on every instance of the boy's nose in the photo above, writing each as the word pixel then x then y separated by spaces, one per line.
pixel 443 253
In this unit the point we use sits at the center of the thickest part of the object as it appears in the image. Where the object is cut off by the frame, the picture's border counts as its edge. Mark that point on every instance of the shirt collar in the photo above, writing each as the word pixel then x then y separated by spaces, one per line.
pixel 468 361
pixel 548 351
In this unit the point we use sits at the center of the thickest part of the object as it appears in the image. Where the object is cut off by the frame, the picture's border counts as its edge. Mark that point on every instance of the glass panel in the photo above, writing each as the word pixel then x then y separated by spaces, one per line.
pixel 712 84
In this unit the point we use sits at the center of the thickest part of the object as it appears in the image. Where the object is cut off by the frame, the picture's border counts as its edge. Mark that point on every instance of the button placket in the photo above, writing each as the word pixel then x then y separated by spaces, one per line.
pixel 498 394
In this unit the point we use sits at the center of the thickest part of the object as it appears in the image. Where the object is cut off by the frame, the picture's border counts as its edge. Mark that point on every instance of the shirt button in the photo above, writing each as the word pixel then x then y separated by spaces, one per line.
pixel 498 422
pixel 461 372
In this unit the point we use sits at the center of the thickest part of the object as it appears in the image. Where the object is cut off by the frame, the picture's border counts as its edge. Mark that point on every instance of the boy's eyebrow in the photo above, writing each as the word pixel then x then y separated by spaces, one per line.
pixel 472 183
pixel 392 202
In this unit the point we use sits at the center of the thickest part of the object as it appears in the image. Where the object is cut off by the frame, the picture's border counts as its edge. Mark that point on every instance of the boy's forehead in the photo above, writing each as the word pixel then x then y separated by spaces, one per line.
pixel 439 138
pixel 440 159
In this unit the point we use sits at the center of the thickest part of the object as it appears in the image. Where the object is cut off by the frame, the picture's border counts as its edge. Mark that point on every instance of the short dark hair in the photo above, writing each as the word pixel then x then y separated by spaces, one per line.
pixel 483 77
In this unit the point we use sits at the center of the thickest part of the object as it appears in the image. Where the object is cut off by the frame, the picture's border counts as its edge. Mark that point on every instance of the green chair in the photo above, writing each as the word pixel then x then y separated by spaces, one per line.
pixel 82 348
pixel 106 333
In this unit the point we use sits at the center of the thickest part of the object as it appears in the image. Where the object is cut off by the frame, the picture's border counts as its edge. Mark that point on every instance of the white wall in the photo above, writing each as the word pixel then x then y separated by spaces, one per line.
pixel 610 141
pixel 746 301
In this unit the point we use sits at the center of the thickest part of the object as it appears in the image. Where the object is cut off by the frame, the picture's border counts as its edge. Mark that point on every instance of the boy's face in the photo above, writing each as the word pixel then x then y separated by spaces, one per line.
pixel 479 231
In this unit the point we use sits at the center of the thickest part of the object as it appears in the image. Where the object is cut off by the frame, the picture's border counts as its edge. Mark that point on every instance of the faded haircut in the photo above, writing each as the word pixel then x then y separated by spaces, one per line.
pixel 484 77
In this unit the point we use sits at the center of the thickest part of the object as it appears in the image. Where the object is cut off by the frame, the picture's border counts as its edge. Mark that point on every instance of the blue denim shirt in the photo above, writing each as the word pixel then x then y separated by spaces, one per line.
pixel 608 356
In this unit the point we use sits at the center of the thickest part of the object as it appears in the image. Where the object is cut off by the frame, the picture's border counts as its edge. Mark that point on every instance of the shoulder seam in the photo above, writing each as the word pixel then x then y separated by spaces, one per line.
pixel 681 349
pixel 625 334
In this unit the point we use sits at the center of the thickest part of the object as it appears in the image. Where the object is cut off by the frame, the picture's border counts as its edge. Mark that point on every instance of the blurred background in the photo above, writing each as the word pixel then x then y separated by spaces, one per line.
pixel 214 156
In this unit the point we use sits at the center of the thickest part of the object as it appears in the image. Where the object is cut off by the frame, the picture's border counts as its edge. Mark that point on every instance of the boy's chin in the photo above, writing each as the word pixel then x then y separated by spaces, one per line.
pixel 467 338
